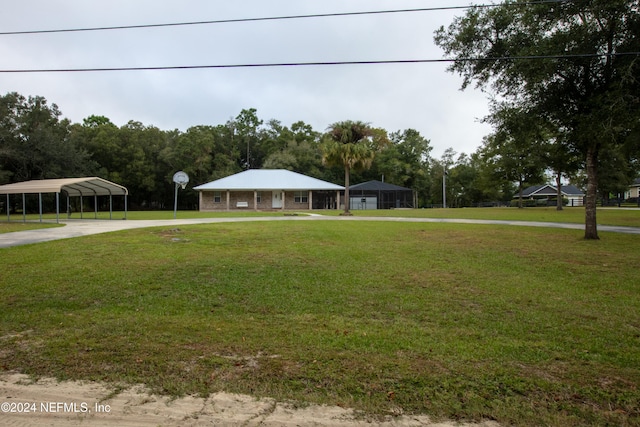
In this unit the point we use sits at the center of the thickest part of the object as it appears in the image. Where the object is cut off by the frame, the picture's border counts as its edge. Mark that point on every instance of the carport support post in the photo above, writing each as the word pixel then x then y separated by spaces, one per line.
pixel 24 207
pixel 8 209
pixel 57 208
pixel 40 203
pixel 110 206
pixel 81 207
pixel 95 206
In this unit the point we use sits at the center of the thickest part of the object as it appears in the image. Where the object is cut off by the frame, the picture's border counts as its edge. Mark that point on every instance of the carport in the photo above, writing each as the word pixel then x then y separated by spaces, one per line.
pixel 73 187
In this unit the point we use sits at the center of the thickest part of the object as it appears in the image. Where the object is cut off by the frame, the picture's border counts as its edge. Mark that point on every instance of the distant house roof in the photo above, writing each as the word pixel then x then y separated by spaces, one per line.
pixel 88 186
pixel 550 190
pixel 378 186
pixel 268 179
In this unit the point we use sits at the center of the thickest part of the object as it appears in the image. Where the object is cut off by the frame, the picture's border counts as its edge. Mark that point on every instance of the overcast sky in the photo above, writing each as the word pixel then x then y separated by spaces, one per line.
pixel 395 97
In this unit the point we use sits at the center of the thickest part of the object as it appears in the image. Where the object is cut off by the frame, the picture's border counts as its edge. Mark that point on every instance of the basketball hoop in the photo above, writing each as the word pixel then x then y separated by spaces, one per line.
pixel 181 179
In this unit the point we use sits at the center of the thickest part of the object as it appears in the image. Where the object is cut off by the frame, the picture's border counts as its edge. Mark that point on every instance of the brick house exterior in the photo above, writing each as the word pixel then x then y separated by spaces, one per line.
pixel 268 189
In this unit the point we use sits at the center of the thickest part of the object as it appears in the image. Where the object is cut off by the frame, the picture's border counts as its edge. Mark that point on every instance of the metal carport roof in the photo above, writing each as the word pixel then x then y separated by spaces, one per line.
pixel 89 186
pixel 74 187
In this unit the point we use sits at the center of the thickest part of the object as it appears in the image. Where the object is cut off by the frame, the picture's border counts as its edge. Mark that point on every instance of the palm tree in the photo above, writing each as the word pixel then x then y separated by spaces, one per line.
pixel 352 145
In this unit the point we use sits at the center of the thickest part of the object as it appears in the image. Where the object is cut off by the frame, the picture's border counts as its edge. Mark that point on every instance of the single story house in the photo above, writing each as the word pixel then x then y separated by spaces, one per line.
pixel 634 190
pixel 574 196
pixel 379 195
pixel 268 189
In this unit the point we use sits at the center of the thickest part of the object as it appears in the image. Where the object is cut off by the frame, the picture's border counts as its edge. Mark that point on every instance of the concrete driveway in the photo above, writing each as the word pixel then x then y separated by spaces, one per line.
pixel 78 228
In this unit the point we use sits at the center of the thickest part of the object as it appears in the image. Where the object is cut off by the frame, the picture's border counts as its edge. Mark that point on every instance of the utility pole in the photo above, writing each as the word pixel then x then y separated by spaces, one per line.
pixel 444 187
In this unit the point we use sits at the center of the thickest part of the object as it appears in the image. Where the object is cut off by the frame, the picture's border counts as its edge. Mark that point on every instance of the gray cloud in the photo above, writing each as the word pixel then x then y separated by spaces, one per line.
pixel 395 97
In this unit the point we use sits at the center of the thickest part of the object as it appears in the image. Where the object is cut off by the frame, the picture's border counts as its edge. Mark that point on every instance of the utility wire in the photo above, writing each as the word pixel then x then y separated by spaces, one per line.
pixel 324 63
pixel 272 18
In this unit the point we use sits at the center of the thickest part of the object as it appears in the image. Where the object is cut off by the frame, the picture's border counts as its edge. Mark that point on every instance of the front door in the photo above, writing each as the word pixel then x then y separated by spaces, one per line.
pixel 276 202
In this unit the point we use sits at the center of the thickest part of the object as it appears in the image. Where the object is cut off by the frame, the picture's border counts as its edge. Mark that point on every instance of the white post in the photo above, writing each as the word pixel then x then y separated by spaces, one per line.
pixel 57 208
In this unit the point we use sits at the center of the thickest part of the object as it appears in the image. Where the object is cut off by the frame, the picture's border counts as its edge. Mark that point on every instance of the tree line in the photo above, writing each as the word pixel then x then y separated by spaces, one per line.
pixel 37 143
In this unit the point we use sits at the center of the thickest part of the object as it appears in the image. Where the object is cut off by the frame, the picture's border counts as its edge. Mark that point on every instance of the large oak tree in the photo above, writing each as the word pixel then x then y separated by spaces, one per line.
pixel 573 62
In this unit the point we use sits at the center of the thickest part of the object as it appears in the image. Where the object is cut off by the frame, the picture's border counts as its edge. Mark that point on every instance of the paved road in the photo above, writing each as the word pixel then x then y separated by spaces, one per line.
pixel 78 228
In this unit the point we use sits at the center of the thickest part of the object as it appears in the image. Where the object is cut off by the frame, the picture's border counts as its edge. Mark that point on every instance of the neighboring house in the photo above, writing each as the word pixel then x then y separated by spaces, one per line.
pixel 267 189
pixel 634 190
pixel 574 196
pixel 379 195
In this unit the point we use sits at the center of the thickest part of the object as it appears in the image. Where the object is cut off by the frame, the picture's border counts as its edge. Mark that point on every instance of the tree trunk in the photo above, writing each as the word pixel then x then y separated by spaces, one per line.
pixel 590 224
pixel 347 199
pixel 520 190
pixel 559 192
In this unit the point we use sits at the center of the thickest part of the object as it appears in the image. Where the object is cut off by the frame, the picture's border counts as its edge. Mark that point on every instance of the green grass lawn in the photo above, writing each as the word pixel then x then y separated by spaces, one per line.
pixel 620 217
pixel 624 217
pixel 9 227
pixel 524 326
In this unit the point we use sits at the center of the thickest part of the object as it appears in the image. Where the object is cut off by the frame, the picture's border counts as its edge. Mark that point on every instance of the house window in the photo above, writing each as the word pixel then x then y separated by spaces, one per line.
pixel 301 197
pixel 217 197
pixel 258 196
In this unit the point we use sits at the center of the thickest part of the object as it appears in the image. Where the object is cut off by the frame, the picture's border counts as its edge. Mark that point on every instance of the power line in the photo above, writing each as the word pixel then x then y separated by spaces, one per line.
pixel 316 64
pixel 272 18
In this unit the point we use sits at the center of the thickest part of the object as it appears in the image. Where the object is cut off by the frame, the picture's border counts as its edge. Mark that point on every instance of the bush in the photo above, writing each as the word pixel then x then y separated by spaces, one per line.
pixel 526 203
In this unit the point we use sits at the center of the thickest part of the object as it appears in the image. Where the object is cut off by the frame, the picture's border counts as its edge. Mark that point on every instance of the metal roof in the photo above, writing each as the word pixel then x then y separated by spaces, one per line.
pixel 550 190
pixel 89 186
pixel 268 179
pixel 378 186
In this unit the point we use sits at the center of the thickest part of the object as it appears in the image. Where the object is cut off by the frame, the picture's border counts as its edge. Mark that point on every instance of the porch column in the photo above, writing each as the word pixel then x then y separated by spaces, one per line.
pixel 310 200
pixel 338 199
pixel 255 200
pixel 228 199
pixel 284 197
